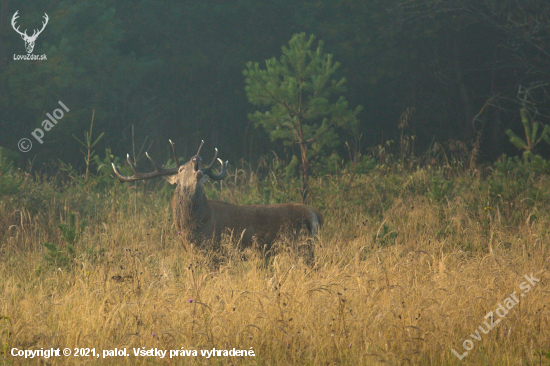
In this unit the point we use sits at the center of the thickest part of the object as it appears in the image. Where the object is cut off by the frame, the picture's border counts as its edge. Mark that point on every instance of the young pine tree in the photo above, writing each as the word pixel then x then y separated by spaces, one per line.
pixel 302 102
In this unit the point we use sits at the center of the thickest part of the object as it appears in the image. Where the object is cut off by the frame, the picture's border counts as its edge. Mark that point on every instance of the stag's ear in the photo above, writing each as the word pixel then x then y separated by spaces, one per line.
pixel 204 179
pixel 172 179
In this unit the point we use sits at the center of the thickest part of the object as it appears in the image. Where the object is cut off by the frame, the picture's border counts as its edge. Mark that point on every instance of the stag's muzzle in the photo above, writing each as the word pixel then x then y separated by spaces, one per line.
pixel 196 166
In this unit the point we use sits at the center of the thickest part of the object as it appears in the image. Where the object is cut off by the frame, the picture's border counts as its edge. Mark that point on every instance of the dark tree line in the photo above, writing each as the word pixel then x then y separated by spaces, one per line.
pixel 462 69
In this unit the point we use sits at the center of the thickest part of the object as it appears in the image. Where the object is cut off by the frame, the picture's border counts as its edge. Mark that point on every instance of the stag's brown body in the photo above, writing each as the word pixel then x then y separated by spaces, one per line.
pixel 201 221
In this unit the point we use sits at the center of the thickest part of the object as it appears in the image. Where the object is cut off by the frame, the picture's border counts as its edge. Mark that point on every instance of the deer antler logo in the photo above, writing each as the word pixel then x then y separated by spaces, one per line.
pixel 29 40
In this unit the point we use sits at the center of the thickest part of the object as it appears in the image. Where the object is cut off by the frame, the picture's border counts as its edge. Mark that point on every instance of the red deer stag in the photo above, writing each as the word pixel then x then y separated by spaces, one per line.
pixel 201 220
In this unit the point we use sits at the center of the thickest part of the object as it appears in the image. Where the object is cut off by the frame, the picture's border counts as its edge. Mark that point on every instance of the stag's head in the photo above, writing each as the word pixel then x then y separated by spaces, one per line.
pixel 29 40
pixel 188 175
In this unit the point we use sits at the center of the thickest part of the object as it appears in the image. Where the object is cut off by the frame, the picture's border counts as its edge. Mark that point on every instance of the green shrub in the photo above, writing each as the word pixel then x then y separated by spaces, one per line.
pixel 71 233
pixel 10 180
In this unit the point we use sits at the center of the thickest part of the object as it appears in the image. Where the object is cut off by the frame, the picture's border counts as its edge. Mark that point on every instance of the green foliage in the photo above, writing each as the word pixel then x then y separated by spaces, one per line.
pixel 298 90
pixel 71 233
pixel 277 190
pixel 88 153
pixel 516 182
pixel 290 169
pixel 10 181
pixel 440 188
pixel 303 101
pixel 364 165
pixel 532 139
pixel 508 165
pixel 385 236
pixel 72 173
pixel 333 163
pixel 58 257
pixel 104 176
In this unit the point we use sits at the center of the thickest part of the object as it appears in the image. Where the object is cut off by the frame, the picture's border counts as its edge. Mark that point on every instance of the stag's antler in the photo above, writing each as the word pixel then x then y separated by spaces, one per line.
pixel 208 169
pixel 159 171
pixel 174 153
pixel 200 147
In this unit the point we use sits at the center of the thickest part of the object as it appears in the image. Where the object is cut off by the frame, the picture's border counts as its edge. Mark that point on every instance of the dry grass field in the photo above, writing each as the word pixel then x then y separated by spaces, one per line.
pixel 408 267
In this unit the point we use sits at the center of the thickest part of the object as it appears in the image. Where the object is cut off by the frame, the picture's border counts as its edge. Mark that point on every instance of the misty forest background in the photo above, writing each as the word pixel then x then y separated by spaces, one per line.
pixel 457 72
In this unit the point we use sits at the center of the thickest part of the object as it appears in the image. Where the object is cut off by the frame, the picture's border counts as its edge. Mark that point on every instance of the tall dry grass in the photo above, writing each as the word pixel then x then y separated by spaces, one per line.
pixel 406 269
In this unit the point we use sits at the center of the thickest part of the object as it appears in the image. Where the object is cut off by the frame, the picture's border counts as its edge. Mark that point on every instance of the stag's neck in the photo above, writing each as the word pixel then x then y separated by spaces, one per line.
pixel 193 199
pixel 191 209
